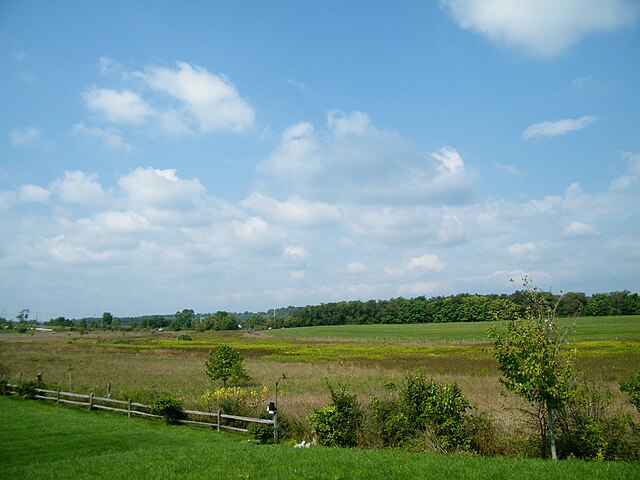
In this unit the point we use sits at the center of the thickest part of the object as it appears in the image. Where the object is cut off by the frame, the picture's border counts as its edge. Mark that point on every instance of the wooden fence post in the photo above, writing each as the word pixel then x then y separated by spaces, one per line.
pixel 58 396
pixel 218 419
pixel 275 427
pixel 20 378
pixel 129 409
pixel 91 401
pixel 109 390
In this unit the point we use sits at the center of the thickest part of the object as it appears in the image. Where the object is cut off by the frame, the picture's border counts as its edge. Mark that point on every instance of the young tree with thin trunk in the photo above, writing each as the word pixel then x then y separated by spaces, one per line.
pixel 224 363
pixel 532 355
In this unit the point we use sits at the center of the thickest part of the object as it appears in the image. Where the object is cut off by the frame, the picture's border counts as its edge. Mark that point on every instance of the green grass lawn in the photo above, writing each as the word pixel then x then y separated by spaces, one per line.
pixel 41 441
pixel 624 328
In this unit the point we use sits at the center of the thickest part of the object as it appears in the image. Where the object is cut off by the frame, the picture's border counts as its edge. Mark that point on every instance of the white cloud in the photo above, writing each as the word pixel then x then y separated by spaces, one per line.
pixel 356 268
pixel 33 193
pixel 125 107
pixel 557 127
pixel 25 136
pixel 160 189
pixel 425 262
pixel 294 253
pixel 295 212
pixel 523 249
pixel 631 177
pixel 79 188
pixel 109 136
pixel 355 162
pixel 156 232
pixel 541 28
pixel 579 229
pixel 209 101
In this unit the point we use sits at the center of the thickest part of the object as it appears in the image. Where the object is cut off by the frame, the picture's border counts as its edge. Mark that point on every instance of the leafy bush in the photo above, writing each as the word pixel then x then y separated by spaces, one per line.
pixel 169 408
pixel 386 425
pixel 439 408
pixel 337 424
pixel 631 386
pixel 184 336
pixel 4 386
pixel 27 390
pixel 590 429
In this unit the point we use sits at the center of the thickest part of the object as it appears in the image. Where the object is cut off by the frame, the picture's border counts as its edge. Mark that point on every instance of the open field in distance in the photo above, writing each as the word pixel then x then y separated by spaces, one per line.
pixel 363 358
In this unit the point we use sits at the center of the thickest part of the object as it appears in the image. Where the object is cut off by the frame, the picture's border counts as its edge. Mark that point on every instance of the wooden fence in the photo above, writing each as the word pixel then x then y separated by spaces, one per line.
pixel 193 417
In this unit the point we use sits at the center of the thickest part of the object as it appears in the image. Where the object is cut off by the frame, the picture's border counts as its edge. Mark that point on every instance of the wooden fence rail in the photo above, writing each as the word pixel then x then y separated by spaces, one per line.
pixel 193 417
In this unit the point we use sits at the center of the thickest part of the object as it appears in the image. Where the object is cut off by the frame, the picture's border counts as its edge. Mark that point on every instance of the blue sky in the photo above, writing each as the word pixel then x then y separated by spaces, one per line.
pixel 163 155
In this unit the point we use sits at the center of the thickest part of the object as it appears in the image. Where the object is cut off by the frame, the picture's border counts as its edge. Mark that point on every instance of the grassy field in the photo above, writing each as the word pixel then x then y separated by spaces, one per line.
pixel 141 365
pixel 46 441
pixel 581 329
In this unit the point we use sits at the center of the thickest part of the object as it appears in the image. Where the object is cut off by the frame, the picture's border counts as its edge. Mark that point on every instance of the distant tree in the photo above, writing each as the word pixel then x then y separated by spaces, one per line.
pixel 107 320
pixel 224 321
pixel 224 363
pixel 571 304
pixel 184 319
pixel 531 355
pixel 23 315
pixel 60 322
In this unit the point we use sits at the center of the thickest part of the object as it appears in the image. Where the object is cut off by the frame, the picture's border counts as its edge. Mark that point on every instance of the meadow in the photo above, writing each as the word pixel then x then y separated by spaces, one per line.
pixel 47 441
pixel 363 358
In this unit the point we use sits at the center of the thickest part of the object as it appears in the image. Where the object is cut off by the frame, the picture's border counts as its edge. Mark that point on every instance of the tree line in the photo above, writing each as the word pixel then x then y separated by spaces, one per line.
pixel 463 307
pixel 458 308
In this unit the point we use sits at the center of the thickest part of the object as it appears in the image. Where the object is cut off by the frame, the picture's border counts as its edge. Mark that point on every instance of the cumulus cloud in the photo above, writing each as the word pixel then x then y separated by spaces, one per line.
pixel 79 188
pixel 294 212
pixel 118 107
pixel 33 193
pixel 353 161
pixel 187 100
pixel 425 262
pixel 210 102
pixel 579 229
pixel 156 188
pixel 557 127
pixel 25 136
pixel 153 224
pixel 541 28
pixel 109 136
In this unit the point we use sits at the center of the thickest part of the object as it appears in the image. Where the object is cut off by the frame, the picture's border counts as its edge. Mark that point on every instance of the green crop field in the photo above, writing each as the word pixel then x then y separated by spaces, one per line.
pixel 580 329
pixel 46 441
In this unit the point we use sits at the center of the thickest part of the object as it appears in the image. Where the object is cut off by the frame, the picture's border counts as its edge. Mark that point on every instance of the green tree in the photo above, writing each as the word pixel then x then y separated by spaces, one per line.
pixel 107 320
pixel 185 319
pixel 224 363
pixel 531 355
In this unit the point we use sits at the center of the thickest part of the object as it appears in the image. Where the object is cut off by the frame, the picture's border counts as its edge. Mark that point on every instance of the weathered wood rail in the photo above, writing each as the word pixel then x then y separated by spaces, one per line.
pixel 193 417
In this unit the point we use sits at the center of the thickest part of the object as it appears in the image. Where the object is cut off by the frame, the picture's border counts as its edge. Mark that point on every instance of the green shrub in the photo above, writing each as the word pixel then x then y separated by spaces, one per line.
pixel 168 407
pixel 590 429
pixel 4 386
pixel 385 425
pixel 184 336
pixel 337 424
pixel 438 408
pixel 485 439
pixel 27 390
pixel 631 386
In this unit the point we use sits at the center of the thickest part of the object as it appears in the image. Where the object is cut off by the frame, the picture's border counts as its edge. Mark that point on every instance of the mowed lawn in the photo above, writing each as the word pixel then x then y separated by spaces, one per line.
pixel 44 441
pixel 622 328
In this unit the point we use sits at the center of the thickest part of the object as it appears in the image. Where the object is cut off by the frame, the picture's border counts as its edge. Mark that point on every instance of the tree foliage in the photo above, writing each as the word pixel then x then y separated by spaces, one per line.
pixel 532 355
pixel 224 363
